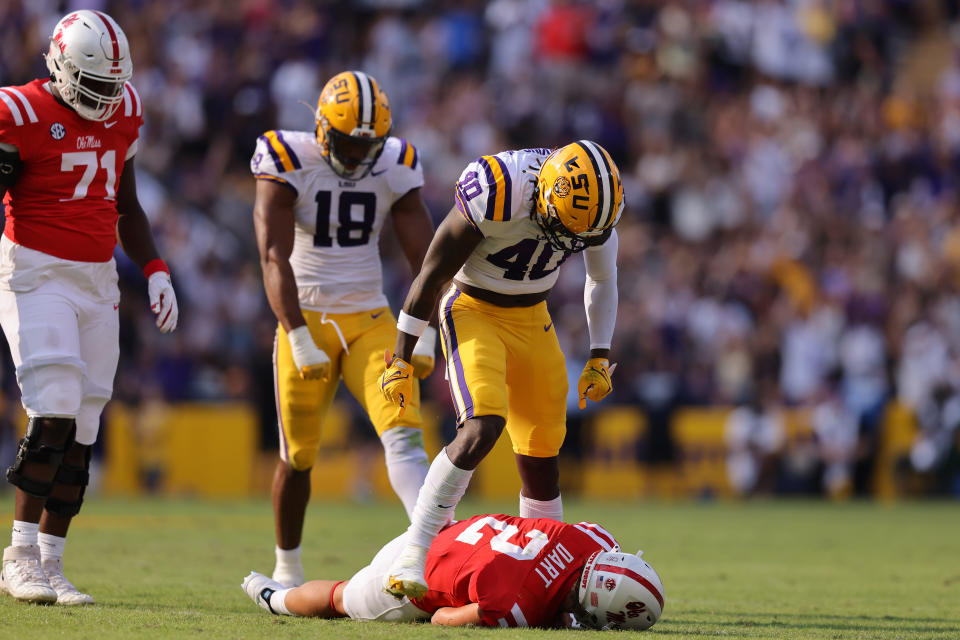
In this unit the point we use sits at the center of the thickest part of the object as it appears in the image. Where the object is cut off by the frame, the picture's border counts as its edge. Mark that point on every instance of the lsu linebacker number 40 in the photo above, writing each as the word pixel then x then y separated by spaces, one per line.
pixel 518 215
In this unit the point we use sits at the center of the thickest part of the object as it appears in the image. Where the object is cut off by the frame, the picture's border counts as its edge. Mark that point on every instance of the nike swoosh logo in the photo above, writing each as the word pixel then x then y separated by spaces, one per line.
pixel 107 125
pixel 377 173
pixel 393 377
pixel 546 327
pixel 376 315
pixel 446 506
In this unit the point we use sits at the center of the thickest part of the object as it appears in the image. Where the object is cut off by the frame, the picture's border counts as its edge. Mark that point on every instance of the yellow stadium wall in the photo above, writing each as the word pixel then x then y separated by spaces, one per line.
pixel 211 450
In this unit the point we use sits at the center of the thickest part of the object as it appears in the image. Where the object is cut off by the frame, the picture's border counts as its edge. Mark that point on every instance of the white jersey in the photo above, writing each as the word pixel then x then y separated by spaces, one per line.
pixel 336 256
pixel 495 194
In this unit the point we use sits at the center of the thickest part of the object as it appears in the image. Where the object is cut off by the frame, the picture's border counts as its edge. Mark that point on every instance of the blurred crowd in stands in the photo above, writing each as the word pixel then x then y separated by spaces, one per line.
pixel 791 169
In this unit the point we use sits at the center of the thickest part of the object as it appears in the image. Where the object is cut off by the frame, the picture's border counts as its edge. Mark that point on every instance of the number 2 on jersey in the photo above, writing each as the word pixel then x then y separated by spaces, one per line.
pixel 88 160
pixel 500 543
pixel 348 227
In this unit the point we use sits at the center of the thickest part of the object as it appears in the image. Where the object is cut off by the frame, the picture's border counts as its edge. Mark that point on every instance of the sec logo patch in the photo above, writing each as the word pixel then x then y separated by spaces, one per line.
pixel 57 131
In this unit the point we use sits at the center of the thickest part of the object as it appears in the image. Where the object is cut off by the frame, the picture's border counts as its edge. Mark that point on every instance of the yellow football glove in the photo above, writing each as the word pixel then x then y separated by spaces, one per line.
pixel 595 381
pixel 311 361
pixel 422 359
pixel 396 383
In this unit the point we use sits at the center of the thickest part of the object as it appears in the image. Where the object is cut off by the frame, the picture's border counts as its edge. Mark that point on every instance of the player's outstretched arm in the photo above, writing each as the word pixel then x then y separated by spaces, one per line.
pixel 600 301
pixel 136 239
pixel 454 240
pixel 273 222
pixel 414 229
pixel 457 616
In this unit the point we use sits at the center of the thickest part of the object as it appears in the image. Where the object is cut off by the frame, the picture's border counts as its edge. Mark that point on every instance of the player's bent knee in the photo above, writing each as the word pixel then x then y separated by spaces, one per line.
pixel 42 448
pixel 71 482
pixel 52 389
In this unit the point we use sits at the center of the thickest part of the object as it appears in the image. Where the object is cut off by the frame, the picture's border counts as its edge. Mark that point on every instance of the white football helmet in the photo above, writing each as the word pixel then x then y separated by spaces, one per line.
pixel 619 591
pixel 89 62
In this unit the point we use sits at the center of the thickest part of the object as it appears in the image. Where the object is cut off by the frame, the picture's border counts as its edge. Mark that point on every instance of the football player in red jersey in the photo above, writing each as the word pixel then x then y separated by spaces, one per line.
pixel 69 190
pixel 493 571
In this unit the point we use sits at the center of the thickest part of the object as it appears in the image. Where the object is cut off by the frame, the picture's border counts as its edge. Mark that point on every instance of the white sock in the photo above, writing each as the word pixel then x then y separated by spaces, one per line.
pixel 530 508
pixel 278 602
pixel 407 463
pixel 442 489
pixel 24 533
pixel 51 546
pixel 288 557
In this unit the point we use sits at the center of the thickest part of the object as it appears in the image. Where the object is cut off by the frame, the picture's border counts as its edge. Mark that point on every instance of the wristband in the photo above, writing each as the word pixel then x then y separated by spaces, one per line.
pixel 300 338
pixel 154 266
pixel 427 343
pixel 409 324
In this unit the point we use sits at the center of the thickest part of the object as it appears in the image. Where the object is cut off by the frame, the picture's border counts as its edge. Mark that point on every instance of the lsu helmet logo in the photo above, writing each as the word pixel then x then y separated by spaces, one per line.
pixel 579 196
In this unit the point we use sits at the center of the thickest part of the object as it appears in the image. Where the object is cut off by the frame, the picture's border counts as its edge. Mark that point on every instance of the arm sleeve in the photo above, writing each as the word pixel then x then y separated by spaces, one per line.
pixel 600 296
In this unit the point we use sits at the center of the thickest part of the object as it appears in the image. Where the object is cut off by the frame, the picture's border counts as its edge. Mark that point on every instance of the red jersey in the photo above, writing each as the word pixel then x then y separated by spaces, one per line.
pixel 65 202
pixel 518 569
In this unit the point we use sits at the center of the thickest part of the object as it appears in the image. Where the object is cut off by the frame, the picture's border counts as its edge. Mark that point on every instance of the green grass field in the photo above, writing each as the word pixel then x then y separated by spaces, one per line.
pixel 810 570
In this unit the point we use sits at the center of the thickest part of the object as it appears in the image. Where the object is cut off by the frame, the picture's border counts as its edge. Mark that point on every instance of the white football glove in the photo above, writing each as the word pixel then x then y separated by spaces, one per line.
pixel 311 361
pixel 163 301
pixel 423 353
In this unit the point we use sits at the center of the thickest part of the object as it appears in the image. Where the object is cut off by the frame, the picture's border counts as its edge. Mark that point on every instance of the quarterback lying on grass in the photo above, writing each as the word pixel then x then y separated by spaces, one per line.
pixel 493 571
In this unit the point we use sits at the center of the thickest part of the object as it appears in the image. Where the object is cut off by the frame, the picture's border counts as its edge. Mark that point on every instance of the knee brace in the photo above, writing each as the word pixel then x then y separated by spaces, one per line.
pixel 71 476
pixel 32 452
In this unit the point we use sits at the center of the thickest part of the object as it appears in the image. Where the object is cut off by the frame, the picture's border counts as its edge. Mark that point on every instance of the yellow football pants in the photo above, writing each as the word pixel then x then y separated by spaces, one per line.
pixel 303 404
pixel 506 362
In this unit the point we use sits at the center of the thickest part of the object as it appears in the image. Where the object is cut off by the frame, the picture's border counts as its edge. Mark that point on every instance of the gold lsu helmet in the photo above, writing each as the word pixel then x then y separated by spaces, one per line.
pixel 353 122
pixel 579 196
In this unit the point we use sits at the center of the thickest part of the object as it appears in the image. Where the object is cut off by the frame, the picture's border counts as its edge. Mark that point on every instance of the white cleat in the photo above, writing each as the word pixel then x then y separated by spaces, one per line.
pixel 259 587
pixel 67 594
pixel 22 578
pixel 289 576
pixel 406 574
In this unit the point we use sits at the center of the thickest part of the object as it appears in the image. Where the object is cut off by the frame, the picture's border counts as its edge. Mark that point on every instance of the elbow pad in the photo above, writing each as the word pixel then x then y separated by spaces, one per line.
pixel 10 166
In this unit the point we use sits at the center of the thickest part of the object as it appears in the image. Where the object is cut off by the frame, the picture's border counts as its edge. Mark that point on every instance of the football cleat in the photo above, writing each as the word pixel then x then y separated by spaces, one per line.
pixel 67 594
pixel 289 575
pixel 22 578
pixel 260 588
pixel 353 122
pixel 89 63
pixel 406 574
pixel 579 196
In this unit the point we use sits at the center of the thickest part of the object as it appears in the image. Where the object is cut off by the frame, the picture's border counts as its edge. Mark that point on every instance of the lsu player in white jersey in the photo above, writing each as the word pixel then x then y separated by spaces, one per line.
pixel 322 198
pixel 518 216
